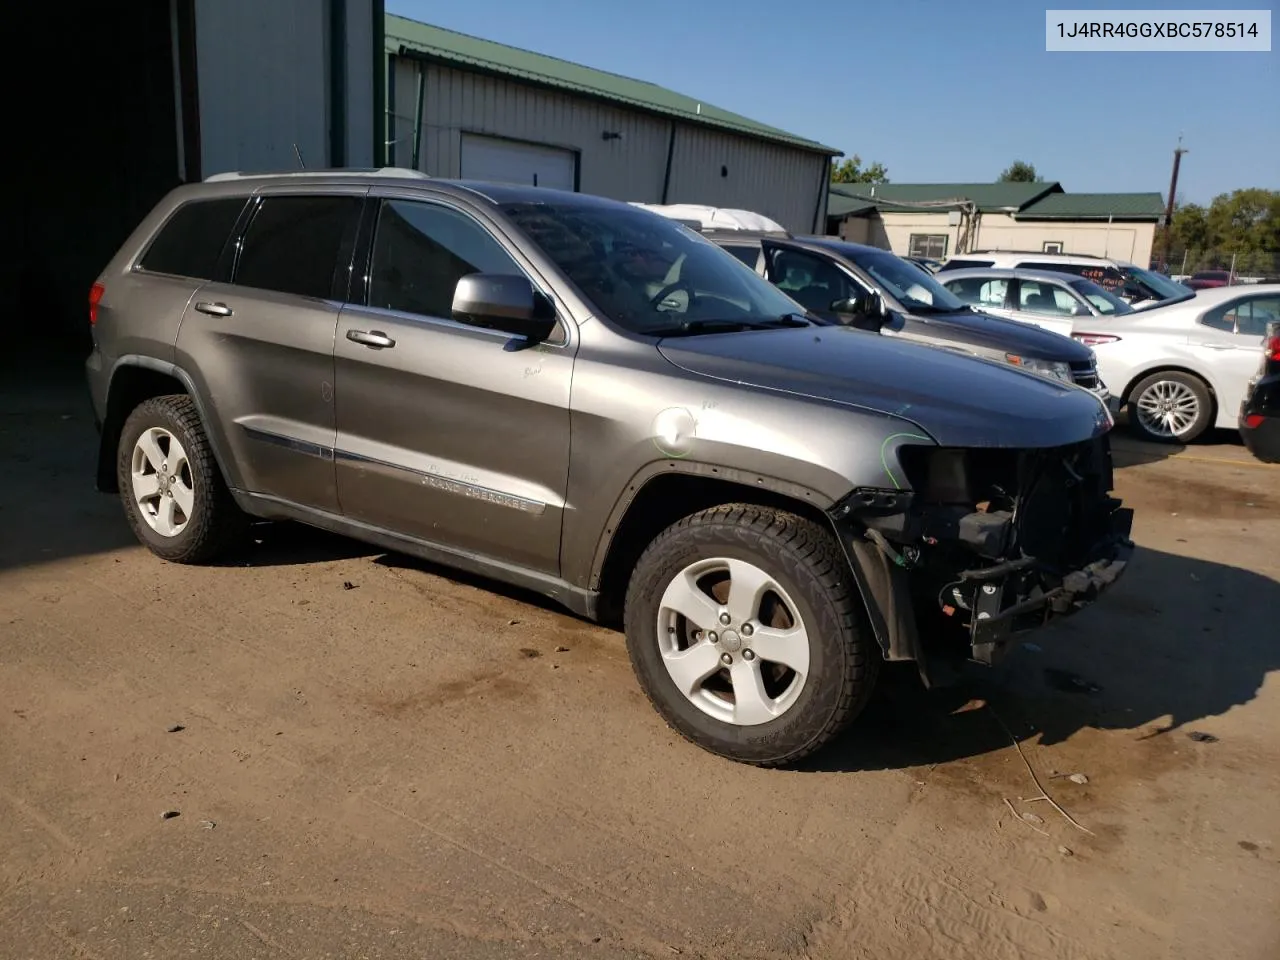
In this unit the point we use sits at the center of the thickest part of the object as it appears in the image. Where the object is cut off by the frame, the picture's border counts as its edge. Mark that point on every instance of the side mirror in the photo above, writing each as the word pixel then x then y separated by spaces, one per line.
pixel 869 306
pixel 506 302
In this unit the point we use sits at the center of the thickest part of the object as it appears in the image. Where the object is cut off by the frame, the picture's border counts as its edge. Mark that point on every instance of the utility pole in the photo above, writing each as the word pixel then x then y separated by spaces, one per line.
pixel 1173 190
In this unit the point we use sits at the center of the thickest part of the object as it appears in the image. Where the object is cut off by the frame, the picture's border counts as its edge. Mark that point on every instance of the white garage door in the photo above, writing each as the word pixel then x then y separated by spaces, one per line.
pixel 509 161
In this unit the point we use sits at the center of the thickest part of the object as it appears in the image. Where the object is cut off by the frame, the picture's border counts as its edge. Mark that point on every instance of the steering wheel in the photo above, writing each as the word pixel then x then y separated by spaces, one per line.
pixel 670 288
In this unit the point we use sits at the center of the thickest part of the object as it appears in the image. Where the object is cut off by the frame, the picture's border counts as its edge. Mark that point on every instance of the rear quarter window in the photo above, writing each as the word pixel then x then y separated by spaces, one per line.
pixel 191 240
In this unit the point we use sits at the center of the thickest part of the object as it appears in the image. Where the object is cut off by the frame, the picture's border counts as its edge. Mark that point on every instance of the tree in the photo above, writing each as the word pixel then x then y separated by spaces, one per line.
pixel 1020 172
pixel 1243 224
pixel 851 171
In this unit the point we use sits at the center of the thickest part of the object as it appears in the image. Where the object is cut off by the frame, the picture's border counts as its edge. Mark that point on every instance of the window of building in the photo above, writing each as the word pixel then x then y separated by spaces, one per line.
pixel 1052 246
pixel 293 243
pixel 931 246
pixel 421 251
pixel 191 241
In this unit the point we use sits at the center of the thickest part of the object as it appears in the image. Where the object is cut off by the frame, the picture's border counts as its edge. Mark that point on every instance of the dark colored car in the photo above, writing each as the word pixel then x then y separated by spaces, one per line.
pixel 866 287
pixel 591 401
pixel 1207 279
pixel 1260 413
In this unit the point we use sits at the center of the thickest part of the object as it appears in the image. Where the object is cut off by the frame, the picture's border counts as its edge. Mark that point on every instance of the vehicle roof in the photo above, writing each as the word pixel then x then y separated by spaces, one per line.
pixel 1041 256
pixel 400 179
pixel 1008 273
pixel 1215 295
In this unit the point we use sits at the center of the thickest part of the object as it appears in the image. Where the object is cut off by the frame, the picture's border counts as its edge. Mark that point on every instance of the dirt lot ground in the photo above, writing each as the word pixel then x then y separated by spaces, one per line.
pixel 379 760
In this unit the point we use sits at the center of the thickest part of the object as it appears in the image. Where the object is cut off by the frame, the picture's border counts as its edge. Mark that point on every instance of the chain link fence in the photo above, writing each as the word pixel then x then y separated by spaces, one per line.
pixel 1252 267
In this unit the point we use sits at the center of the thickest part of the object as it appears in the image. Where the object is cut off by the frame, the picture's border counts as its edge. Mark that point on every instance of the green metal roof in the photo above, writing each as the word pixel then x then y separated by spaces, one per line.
pixel 839 205
pixel 406 37
pixel 1095 206
pixel 988 197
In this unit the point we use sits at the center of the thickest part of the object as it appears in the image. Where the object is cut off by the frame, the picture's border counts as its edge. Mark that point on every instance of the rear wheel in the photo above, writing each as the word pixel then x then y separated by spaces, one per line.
pixel 746 632
pixel 172 490
pixel 1170 407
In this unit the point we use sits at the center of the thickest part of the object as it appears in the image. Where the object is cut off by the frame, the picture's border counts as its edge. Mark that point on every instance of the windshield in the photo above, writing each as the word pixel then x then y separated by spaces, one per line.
pixel 647 273
pixel 1105 302
pixel 912 286
pixel 1161 286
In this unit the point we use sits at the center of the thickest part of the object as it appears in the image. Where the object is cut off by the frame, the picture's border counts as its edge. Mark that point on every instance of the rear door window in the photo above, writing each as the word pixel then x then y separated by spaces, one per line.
pixel 293 244
pixel 750 255
pixel 192 239
pixel 980 291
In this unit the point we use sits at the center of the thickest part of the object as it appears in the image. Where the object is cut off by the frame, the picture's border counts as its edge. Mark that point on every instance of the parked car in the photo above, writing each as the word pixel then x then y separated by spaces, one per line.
pixel 1209 279
pixel 1260 412
pixel 1184 368
pixel 1142 289
pixel 1054 301
pixel 594 402
pixel 931 265
pixel 849 283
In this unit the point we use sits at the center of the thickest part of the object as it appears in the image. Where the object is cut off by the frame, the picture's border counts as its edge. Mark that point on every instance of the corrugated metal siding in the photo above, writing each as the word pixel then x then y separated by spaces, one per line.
pixel 263 85
pixel 361 70
pixel 725 170
pixel 779 182
pixel 457 101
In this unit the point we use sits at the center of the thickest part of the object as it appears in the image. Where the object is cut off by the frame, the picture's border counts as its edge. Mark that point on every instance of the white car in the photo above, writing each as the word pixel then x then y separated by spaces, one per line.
pixel 1143 289
pixel 1183 368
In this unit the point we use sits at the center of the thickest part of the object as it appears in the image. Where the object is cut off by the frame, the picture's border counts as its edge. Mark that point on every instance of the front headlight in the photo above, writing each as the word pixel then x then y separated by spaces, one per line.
pixel 1046 368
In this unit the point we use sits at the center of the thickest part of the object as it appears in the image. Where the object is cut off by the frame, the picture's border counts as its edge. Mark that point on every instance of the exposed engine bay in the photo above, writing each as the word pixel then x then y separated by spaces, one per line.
pixel 985 544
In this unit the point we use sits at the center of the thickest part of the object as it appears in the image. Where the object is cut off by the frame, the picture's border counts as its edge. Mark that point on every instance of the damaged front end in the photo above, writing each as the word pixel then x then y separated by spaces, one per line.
pixel 985 544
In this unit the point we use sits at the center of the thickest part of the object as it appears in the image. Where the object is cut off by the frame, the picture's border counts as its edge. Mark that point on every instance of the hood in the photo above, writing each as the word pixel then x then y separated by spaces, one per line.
pixel 959 400
pixel 996 333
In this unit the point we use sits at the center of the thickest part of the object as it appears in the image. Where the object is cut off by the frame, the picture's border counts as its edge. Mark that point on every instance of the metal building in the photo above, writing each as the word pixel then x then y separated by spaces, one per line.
pixel 459 106
pixel 172 90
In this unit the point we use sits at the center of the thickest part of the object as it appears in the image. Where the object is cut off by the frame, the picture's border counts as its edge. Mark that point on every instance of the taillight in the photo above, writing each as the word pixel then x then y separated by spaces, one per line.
pixel 1254 420
pixel 95 296
pixel 1093 339
pixel 1273 348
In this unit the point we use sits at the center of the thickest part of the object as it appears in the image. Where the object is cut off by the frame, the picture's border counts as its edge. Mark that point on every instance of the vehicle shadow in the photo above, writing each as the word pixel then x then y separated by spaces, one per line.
pixel 1176 641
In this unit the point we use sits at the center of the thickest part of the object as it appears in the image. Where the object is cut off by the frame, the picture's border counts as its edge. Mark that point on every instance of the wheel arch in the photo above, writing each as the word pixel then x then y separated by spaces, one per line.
pixel 664 493
pixel 135 379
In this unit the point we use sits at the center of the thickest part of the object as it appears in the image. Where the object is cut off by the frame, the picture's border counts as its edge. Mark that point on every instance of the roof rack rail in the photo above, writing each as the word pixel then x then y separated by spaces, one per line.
pixel 1038 253
pixel 402 172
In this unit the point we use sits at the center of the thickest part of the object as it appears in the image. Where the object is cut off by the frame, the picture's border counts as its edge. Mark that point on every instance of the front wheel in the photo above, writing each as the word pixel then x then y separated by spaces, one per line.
pixel 747 634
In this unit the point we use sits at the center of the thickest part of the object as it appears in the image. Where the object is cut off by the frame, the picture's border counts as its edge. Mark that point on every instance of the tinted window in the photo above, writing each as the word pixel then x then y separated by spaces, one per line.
pixel 645 272
pixel 422 250
pixel 292 244
pixel 748 255
pixel 1246 318
pixel 191 241
pixel 980 291
pixel 912 286
pixel 1109 278
pixel 1105 302
pixel 811 281
pixel 954 264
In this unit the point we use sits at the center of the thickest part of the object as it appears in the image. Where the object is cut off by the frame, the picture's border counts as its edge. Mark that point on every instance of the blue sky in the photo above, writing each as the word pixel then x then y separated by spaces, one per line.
pixel 935 90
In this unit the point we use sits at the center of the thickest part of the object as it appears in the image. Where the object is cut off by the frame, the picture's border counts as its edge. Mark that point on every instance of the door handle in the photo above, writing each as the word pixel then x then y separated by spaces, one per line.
pixel 214 309
pixel 373 338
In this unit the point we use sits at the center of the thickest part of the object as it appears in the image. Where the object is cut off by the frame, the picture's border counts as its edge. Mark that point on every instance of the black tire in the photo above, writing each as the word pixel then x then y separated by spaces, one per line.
pixel 1200 389
pixel 806 561
pixel 215 524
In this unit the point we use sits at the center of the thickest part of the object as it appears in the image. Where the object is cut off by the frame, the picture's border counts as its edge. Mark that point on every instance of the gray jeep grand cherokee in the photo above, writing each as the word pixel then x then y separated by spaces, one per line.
pixel 589 400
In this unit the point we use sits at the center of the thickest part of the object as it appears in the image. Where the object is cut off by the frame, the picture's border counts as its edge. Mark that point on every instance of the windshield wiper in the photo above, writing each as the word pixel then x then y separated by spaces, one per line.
pixel 725 325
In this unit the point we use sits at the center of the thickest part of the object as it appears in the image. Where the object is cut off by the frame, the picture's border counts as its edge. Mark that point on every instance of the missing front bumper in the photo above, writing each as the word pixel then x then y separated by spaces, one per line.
pixel 1021 597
